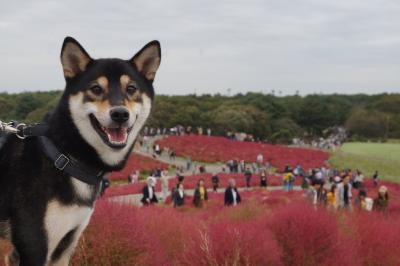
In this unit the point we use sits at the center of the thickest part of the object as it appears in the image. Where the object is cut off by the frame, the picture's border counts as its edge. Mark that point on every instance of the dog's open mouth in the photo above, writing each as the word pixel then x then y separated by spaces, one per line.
pixel 115 137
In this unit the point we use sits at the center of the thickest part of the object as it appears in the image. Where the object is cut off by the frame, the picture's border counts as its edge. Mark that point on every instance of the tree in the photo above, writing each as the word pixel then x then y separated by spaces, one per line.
pixel 240 118
pixel 367 124
pixel 314 115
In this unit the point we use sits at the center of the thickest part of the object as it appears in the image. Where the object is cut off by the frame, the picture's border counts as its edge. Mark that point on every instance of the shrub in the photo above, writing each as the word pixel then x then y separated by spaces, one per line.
pixel 306 236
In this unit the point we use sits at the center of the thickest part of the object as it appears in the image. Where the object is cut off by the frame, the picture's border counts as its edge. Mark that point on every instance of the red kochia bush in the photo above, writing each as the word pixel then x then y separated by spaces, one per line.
pixel 117 235
pixel 378 238
pixel 308 236
pixel 227 243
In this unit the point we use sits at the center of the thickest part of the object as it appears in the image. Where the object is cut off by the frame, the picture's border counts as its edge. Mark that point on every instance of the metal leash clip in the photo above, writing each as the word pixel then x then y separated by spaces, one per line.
pixel 20 133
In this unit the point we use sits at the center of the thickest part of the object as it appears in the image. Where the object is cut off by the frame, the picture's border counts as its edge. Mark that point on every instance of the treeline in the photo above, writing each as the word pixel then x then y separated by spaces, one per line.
pixel 277 119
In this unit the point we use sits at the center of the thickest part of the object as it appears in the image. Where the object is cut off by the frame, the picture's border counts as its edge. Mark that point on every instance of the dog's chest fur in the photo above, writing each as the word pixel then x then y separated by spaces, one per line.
pixel 64 223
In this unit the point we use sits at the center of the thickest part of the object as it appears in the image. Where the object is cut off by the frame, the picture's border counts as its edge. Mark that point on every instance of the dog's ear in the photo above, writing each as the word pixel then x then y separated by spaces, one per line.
pixel 74 58
pixel 148 59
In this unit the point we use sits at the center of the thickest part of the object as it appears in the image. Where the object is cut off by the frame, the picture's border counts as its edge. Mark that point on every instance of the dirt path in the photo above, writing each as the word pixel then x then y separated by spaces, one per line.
pixel 134 199
pixel 178 161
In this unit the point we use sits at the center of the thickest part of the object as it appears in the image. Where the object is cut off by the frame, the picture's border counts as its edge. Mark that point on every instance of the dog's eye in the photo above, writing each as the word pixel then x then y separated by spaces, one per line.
pixel 130 90
pixel 97 90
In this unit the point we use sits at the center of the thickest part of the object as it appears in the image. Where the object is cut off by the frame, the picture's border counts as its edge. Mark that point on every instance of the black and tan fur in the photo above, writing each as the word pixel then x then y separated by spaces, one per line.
pixel 104 106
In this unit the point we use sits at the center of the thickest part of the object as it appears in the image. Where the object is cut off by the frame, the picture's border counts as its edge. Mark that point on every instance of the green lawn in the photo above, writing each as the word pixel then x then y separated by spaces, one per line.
pixel 368 157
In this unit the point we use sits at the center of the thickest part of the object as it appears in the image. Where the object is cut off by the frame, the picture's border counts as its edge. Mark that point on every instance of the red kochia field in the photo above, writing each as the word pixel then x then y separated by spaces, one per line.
pixel 137 162
pixel 212 149
pixel 268 228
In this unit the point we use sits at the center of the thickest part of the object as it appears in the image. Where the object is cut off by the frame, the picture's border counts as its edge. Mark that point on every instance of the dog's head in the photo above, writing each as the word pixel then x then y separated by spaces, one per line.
pixel 109 100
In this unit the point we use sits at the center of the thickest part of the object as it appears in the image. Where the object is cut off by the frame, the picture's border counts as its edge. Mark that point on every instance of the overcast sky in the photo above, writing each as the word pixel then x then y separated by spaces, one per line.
pixel 208 46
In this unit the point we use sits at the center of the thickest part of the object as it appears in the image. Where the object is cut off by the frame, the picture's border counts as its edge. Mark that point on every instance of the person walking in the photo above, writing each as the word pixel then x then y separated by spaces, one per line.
pixel 215 182
pixel 259 159
pixel 179 196
pixel 375 177
pixel 188 163
pixel 232 196
pixel 382 201
pixel 200 194
pixel 360 202
pixel 133 177
pixel 263 179
pixel 149 195
pixel 331 198
pixel 247 175
pixel 288 180
pixel 242 166
pixel 344 194
pixel 164 184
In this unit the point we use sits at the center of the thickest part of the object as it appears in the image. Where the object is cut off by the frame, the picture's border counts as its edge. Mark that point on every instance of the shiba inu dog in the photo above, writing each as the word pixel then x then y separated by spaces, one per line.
pixel 49 184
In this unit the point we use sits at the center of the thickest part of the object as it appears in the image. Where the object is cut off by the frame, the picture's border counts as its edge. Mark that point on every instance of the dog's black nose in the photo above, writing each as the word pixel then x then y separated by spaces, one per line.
pixel 119 114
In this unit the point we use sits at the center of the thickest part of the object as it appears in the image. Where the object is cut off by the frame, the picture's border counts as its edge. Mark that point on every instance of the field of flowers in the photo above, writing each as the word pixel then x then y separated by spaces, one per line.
pixel 140 163
pixel 268 228
pixel 213 149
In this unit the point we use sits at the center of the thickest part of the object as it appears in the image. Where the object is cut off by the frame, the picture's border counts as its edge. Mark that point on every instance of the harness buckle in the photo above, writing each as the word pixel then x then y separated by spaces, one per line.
pixel 61 162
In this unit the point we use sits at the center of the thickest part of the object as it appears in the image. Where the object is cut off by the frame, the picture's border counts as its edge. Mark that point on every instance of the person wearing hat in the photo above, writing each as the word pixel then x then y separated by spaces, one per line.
pixel 149 194
pixel 337 179
pixel 382 201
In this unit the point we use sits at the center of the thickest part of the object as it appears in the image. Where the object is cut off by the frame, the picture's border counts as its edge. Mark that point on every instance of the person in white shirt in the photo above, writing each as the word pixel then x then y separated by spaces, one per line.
pixel 164 184
pixel 232 196
pixel 134 177
pixel 149 194
pixel 344 194
pixel 260 159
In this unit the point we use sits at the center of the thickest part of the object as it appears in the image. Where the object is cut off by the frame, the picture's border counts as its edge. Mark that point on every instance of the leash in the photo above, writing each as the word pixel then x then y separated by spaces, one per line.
pixel 22 131
pixel 62 162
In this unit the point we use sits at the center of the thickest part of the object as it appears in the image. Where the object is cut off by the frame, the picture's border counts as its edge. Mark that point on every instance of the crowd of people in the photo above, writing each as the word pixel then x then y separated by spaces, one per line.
pixel 329 188
pixel 178 195
pixel 178 130
pixel 334 139
pixel 334 189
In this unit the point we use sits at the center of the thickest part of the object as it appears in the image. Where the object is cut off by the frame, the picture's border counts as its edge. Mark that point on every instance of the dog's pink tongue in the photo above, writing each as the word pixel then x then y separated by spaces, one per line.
pixel 117 134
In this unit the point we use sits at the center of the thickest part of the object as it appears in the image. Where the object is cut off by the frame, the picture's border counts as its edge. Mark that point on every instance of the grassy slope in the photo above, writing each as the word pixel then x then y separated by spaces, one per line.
pixel 369 157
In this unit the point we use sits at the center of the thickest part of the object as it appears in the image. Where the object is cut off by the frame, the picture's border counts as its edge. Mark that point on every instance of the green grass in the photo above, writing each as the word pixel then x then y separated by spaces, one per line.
pixel 368 157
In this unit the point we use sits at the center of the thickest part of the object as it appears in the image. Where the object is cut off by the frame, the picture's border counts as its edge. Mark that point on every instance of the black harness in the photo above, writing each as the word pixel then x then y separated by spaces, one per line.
pixel 63 162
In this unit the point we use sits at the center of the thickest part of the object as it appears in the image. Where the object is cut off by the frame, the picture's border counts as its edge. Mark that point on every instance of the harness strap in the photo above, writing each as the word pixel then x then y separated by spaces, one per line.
pixel 35 130
pixel 69 165
pixel 62 162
